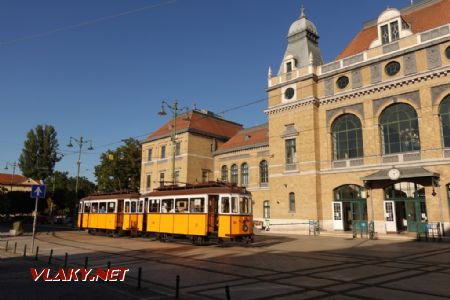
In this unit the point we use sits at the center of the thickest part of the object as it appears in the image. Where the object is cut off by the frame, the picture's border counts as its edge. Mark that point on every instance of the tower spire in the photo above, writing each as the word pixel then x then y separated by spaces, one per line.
pixel 302 12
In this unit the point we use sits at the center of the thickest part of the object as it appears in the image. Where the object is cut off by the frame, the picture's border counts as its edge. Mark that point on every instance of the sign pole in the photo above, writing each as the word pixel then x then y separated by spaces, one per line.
pixel 34 223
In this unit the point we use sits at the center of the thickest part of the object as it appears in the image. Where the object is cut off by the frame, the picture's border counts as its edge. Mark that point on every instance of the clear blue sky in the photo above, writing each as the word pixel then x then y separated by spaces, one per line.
pixel 105 80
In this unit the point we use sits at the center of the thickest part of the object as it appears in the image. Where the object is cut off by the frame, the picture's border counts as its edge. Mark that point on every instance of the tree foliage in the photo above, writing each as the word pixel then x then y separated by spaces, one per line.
pixel 40 152
pixel 120 169
pixel 61 190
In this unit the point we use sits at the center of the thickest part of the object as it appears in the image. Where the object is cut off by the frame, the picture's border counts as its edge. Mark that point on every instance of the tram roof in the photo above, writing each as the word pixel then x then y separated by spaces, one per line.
pixel 198 189
pixel 117 195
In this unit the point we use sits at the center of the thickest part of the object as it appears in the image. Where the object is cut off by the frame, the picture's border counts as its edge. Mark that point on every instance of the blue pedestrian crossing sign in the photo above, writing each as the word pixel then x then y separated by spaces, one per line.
pixel 38 191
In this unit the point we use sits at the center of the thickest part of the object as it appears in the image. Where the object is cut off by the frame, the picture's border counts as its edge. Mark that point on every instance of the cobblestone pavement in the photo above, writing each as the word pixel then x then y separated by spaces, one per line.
pixel 274 267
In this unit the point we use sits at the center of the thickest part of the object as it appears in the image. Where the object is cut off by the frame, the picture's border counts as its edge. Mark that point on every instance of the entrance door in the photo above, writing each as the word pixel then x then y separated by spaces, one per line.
pixel 338 223
pixel 416 214
pixel 213 210
pixel 389 216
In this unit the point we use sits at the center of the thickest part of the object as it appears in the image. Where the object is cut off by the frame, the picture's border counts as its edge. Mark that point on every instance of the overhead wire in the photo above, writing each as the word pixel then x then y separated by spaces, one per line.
pixel 86 23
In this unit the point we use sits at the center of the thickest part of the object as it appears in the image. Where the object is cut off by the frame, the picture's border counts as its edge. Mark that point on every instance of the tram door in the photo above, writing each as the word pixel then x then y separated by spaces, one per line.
pixel 80 213
pixel 213 210
pixel 144 218
pixel 119 220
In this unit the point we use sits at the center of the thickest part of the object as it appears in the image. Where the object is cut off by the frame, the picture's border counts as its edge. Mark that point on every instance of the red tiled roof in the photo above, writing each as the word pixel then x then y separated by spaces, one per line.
pixel 5 179
pixel 257 135
pixel 201 123
pixel 420 19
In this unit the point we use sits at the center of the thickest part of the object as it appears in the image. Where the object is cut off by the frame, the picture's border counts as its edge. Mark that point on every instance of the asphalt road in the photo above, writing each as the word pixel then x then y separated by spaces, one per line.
pixel 274 267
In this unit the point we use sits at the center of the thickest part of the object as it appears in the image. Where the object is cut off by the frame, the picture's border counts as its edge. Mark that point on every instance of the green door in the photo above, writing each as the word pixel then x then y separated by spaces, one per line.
pixel 415 214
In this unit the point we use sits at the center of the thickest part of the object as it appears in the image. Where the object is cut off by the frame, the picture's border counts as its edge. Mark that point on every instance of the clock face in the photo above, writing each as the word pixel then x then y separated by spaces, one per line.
pixel 394 174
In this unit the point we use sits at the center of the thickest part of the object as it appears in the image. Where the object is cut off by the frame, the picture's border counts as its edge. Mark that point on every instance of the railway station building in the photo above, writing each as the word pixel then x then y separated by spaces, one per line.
pixel 364 138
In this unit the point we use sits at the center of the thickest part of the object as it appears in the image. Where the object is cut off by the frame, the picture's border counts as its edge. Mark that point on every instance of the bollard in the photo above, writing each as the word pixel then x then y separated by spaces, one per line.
pixel 139 277
pixel 108 266
pixel 37 253
pixel 50 257
pixel 227 292
pixel 177 291
pixel 15 247
pixel 25 250
pixel 85 262
pixel 65 261
pixel 6 248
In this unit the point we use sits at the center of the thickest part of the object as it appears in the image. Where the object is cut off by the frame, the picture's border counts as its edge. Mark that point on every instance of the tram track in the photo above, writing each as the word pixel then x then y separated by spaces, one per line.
pixel 192 263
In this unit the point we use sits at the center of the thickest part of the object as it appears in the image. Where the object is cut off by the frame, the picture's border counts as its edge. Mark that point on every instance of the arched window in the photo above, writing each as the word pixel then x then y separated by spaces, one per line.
pixel 347 137
pixel 348 192
pixel 244 174
pixel 224 173
pixel 291 202
pixel 263 173
pixel 234 174
pixel 403 190
pixel 399 129
pixel 444 113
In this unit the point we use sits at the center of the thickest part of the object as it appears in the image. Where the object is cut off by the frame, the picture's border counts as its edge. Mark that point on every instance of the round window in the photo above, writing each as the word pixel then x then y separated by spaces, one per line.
pixel 342 82
pixel 392 68
pixel 447 52
pixel 289 93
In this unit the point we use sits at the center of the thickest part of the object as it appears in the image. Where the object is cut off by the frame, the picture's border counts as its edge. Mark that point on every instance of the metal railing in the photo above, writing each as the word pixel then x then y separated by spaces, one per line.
pixel 429 231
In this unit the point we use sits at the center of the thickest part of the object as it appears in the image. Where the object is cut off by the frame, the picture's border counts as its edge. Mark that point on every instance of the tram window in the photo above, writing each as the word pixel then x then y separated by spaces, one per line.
pixel 133 206
pixel 102 207
pixel 234 205
pixel 244 205
pixel 153 206
pixel 167 206
pixel 141 206
pixel 95 207
pixel 111 207
pixel 225 205
pixel 181 205
pixel 127 206
pixel 87 207
pixel 197 205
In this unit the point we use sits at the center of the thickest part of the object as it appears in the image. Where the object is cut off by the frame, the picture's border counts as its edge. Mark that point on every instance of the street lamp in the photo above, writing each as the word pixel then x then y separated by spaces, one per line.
pixel 13 165
pixel 175 111
pixel 80 142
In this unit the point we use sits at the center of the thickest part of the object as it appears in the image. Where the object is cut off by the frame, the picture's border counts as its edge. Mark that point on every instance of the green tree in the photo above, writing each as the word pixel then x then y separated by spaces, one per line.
pixel 120 169
pixel 40 152
pixel 61 189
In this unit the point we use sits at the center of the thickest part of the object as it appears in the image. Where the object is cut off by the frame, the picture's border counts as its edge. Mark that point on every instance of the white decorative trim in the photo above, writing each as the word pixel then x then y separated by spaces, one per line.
pixel 291 106
pixel 377 88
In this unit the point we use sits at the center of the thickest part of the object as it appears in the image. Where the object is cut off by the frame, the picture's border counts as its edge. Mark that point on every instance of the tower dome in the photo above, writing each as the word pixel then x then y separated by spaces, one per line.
pixel 302 24
pixel 303 48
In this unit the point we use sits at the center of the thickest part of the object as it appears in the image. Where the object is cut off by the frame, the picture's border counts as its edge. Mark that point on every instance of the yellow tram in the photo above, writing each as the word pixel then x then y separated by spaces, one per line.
pixel 201 212
pixel 111 213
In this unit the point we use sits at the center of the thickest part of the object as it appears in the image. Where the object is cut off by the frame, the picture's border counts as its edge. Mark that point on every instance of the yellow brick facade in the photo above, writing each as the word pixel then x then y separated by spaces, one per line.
pixel 303 188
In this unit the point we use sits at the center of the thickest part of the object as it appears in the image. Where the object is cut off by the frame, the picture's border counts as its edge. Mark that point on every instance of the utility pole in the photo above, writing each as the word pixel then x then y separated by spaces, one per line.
pixel 175 112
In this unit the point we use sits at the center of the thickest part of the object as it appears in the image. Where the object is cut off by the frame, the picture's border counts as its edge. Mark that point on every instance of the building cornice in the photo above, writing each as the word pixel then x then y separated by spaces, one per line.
pixel 373 89
pixel 381 87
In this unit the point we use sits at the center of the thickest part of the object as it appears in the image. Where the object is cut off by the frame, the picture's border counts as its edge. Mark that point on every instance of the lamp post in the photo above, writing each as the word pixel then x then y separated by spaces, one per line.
pixel 13 165
pixel 175 112
pixel 80 142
